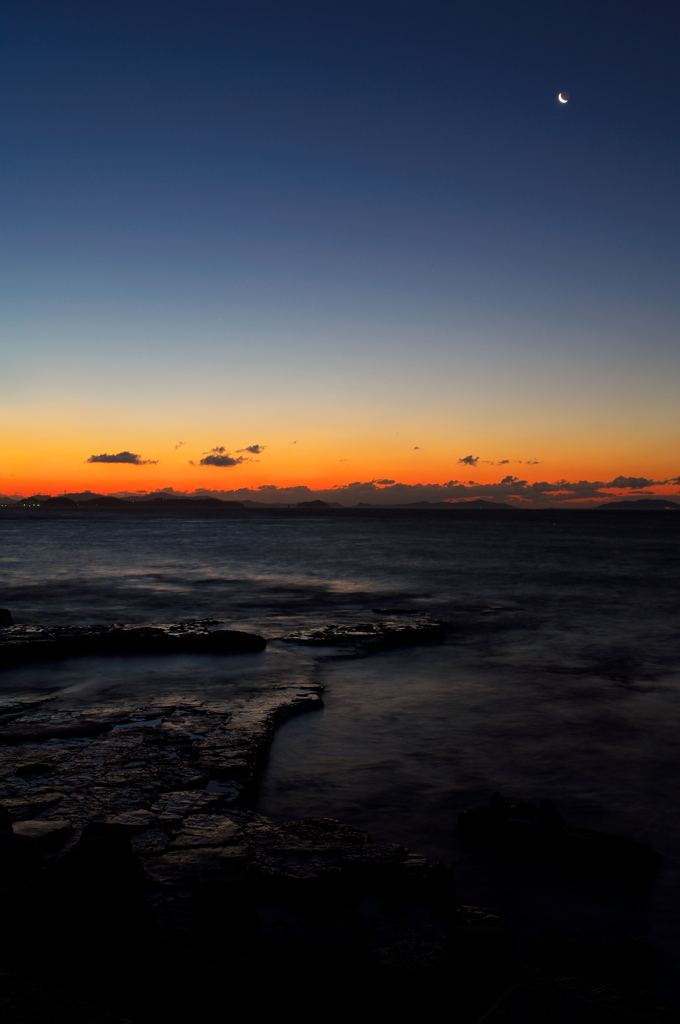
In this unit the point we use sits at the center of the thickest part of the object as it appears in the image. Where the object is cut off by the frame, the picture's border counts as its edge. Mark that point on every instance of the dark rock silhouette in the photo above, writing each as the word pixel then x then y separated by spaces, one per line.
pixel 5 617
pixel 31 643
pixel 48 836
pixel 154 937
pixel 317 503
pixel 481 955
pixel 620 961
pixel 539 835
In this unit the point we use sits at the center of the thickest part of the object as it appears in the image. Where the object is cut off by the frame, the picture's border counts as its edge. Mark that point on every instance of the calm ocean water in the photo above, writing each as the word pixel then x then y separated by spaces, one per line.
pixel 560 677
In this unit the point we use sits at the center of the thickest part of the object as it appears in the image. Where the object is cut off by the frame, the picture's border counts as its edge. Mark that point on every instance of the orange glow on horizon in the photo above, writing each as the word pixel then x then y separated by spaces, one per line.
pixel 334 456
pixel 142 479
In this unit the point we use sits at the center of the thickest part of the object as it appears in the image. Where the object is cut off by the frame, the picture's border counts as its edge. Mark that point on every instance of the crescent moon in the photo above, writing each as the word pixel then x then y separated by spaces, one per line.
pixel 561 98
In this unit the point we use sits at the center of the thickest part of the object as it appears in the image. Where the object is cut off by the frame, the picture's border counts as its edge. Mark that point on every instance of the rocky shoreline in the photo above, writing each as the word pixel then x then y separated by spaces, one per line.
pixel 195 636
pixel 138 886
pixel 24 643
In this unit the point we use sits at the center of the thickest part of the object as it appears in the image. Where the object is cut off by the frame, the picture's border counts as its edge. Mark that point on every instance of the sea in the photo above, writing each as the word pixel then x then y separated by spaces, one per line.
pixel 559 677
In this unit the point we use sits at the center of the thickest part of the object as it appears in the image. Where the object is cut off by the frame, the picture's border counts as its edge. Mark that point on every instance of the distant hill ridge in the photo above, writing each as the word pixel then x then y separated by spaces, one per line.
pixel 477 503
pixel 162 501
pixel 640 505
pixel 108 501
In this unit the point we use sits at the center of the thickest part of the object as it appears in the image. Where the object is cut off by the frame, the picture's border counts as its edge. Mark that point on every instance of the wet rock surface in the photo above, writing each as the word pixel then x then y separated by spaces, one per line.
pixel 135 879
pixel 373 635
pixel 168 757
pixel 38 643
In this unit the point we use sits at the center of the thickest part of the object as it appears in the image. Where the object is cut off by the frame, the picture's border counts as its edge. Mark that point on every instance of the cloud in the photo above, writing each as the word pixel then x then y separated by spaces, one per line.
pixel 502 462
pixel 417 448
pixel 511 489
pixel 254 449
pixel 637 482
pixel 219 456
pixel 221 460
pixel 127 457
pixel 180 444
pixel 469 460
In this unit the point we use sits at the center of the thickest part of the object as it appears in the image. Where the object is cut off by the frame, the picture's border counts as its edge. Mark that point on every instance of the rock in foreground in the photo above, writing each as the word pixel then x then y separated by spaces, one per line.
pixel 539 835
pixel 372 635
pixel 237 906
pixel 38 643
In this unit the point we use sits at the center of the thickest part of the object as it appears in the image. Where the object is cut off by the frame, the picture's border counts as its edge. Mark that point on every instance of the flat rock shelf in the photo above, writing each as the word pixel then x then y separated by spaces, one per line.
pixel 40 643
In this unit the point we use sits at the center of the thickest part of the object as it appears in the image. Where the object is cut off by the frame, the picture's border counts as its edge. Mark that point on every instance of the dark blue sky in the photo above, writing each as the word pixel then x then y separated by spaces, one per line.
pixel 344 180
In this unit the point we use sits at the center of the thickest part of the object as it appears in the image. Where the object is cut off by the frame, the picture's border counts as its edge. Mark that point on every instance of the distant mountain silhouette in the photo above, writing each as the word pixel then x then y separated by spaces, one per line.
pixel 478 503
pixel 482 503
pixel 105 501
pixel 249 503
pixel 641 504
pixel 188 503
pixel 317 503
pixel 108 501
pixel 90 499
pixel 82 495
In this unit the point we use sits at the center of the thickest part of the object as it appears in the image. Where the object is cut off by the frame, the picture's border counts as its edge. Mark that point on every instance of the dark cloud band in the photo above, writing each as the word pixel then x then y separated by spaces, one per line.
pixel 254 449
pixel 220 460
pixel 129 458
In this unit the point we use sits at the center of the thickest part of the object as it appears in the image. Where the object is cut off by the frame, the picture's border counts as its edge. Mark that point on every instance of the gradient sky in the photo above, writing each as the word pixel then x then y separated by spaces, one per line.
pixel 363 237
